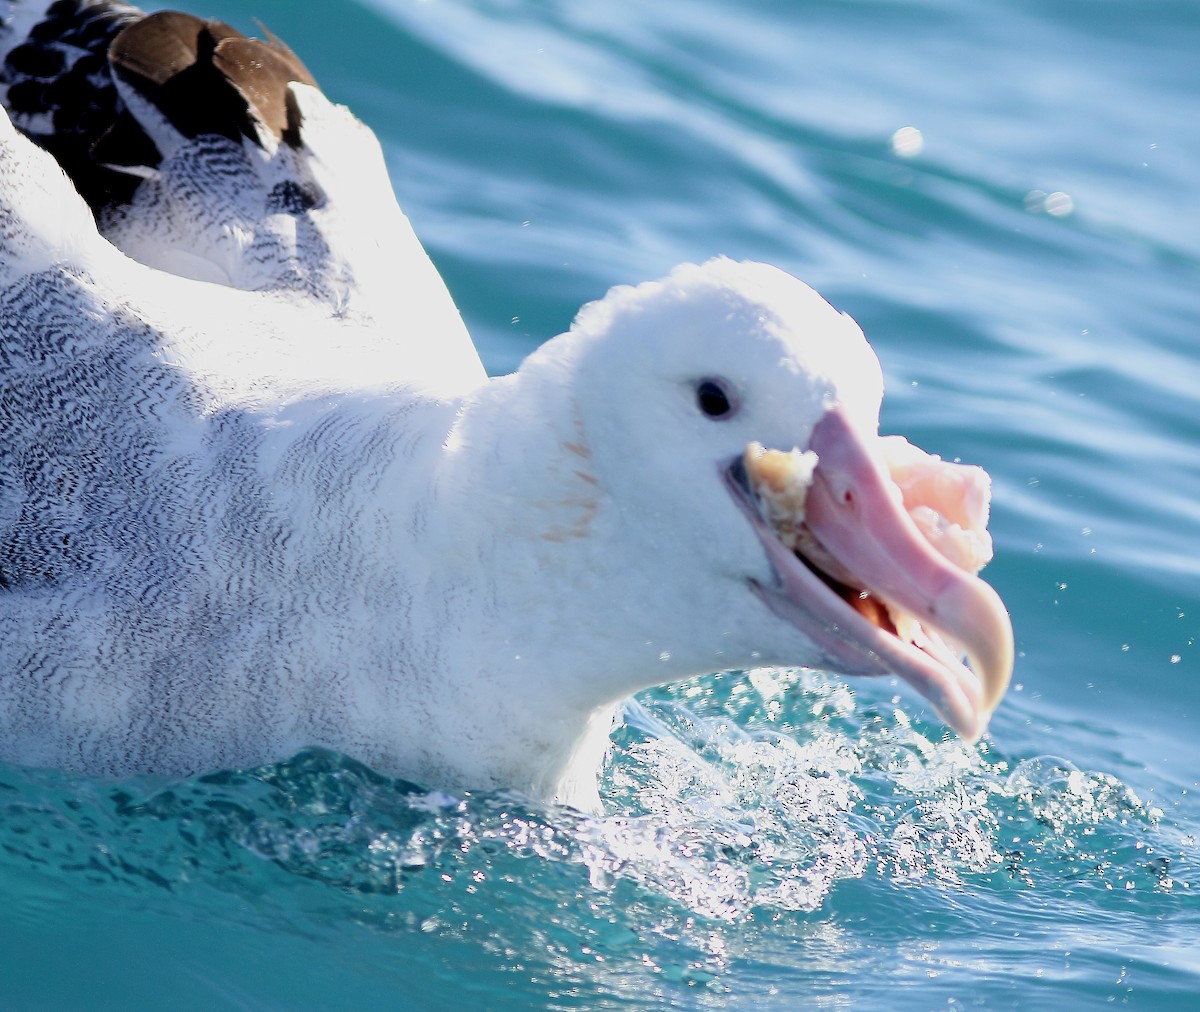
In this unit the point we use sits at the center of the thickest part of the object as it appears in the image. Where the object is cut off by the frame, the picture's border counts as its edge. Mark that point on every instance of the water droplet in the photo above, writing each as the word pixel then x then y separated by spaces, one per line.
pixel 907 142
pixel 1059 204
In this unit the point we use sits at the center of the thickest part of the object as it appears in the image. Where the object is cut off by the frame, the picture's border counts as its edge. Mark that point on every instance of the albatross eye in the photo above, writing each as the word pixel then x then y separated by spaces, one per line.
pixel 714 398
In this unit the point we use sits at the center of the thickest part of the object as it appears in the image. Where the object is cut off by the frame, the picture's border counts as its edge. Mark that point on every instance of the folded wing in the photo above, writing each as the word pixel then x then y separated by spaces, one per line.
pixel 215 156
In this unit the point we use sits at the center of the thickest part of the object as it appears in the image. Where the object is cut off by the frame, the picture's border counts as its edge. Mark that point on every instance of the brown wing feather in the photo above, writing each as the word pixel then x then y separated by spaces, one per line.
pixel 208 78
pixel 260 72
pixel 203 76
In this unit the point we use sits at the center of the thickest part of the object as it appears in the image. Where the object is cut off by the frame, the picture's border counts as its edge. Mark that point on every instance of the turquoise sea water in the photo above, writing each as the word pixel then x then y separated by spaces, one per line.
pixel 1030 278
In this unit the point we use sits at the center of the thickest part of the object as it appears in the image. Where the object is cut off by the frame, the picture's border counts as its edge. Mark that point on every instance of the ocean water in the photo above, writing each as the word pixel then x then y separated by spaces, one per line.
pixel 1005 195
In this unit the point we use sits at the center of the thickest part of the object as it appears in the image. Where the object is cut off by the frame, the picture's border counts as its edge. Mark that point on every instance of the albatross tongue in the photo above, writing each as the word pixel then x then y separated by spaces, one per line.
pixel 853 509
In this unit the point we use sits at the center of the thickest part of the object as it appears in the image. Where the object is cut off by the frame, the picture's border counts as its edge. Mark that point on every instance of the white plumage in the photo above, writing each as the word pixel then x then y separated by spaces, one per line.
pixel 256 493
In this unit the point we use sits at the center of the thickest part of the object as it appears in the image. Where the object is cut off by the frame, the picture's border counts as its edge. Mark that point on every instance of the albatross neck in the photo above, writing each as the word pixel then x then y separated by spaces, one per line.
pixel 552 615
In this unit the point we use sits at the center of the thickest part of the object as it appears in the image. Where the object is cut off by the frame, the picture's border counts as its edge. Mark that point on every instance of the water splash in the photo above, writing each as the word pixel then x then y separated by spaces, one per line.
pixel 732 799
pixel 770 822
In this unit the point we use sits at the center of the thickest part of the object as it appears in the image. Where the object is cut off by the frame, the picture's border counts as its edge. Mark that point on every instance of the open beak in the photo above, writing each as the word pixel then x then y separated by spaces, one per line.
pixel 867 586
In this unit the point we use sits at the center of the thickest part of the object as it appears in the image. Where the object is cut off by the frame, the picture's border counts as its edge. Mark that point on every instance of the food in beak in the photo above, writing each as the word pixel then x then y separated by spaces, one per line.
pixel 780 480
pixel 876 545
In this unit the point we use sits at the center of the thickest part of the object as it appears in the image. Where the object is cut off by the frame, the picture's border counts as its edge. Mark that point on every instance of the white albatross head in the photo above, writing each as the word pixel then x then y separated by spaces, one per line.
pixel 688 397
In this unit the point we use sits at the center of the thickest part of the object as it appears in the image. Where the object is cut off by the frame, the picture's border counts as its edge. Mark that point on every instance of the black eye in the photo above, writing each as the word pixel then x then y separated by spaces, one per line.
pixel 714 399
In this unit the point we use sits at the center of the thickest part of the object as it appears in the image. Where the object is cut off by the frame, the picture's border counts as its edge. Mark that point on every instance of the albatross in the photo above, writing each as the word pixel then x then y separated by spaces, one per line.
pixel 257 492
